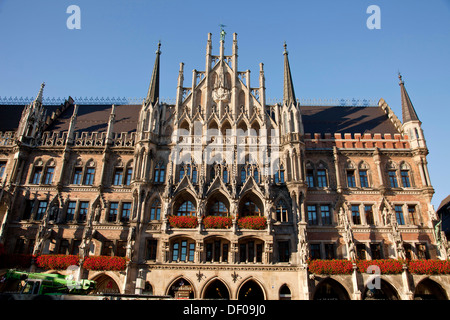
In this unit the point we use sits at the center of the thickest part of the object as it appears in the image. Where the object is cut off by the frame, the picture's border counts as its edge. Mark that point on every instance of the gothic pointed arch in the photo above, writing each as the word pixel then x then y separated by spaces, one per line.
pixel 386 292
pixel 251 290
pixel 428 289
pixel 181 288
pixel 330 289
pixel 216 288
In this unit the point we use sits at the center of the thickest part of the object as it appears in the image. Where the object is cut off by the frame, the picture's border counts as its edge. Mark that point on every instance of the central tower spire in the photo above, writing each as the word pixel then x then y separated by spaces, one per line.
pixel 153 89
pixel 288 88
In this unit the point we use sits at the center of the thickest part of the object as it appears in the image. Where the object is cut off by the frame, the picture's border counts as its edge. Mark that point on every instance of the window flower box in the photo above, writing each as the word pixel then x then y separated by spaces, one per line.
pixel 252 222
pixel 217 222
pixel 105 263
pixel 335 266
pixel 387 266
pixel 56 261
pixel 429 266
pixel 183 221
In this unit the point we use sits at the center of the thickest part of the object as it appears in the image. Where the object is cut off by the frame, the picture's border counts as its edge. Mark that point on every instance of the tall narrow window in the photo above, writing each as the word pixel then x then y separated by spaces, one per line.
pixel 89 177
pixel 155 210
pixel 181 172
pixel 77 176
pixel 225 175
pixel 151 249
pixel 37 175
pixel 351 182
pixel 364 181
pixel 399 214
pixel 329 251
pixel 126 211
pixel 70 213
pixel 283 251
pixel 312 215
pixel 393 178
pixel 368 211
pixel 113 208
pixel 412 215
pixel 49 175
pixel 314 251
pixel 243 175
pixel 118 176
pixel 256 175
pixel 2 168
pixel 310 178
pixel 375 249
pixel 82 213
pixel 405 179
pixel 322 178
pixel 128 176
pixel 29 207
pixel 355 215
pixel 325 214
pixel 194 175
pixel 42 207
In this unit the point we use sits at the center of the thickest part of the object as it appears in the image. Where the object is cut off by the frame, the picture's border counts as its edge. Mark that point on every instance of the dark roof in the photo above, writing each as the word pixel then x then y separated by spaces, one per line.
pixel 10 115
pixel 444 203
pixel 330 119
pixel 95 118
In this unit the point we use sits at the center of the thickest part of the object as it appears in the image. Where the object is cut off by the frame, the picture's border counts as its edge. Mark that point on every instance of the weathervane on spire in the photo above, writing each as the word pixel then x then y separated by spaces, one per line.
pixel 222 32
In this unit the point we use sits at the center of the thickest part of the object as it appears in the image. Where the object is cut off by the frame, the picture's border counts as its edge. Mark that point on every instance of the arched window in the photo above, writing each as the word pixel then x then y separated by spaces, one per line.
pixel 218 209
pixel 243 175
pixel 90 173
pixel 225 174
pixel 181 171
pixel 405 176
pixel 250 209
pixel 155 210
pixel 279 175
pixel 281 211
pixel 285 293
pixel 256 174
pixel 186 209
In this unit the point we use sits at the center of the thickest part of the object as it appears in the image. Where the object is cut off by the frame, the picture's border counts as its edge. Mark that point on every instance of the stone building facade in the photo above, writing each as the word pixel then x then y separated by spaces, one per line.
pixel 330 182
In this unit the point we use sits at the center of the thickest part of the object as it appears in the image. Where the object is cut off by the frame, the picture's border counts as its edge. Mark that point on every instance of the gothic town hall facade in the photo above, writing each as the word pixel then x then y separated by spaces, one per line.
pixel 222 195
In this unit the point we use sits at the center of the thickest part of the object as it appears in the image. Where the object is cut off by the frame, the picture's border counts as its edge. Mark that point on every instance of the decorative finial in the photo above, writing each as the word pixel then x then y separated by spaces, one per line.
pixel 222 32
pixel 285 48
pixel 400 77
pixel 159 47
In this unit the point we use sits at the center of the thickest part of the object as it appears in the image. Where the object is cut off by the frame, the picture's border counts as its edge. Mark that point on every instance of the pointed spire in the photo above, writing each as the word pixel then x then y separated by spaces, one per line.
pixel 153 90
pixel 288 88
pixel 40 94
pixel 408 112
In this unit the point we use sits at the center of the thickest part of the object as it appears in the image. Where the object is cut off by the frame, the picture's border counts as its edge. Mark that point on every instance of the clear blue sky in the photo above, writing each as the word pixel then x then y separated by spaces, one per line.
pixel 332 52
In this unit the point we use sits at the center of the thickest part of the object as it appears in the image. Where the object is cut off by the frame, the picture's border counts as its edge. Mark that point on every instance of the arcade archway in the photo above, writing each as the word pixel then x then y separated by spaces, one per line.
pixel 251 291
pixel 330 289
pixel 385 292
pixel 216 290
pixel 428 289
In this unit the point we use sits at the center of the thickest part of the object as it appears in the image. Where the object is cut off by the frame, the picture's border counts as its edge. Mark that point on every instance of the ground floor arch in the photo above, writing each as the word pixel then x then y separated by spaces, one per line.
pixel 385 292
pixel 181 288
pixel 251 290
pixel 330 289
pixel 216 289
pixel 428 289
pixel 105 284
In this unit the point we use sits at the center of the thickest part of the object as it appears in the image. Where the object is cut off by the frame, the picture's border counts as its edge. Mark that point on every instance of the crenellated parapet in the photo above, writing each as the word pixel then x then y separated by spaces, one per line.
pixel 357 140
pixel 86 139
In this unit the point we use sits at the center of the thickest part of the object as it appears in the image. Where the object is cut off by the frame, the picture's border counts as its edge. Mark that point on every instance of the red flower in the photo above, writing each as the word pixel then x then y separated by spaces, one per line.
pixel 105 263
pixel 335 266
pixel 213 222
pixel 252 222
pixel 56 261
pixel 429 266
pixel 183 221
pixel 387 266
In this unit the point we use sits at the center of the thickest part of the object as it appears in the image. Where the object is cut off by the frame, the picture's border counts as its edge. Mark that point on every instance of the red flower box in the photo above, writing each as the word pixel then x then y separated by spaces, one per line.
pixel 56 261
pixel 429 266
pixel 335 266
pixel 387 266
pixel 183 221
pixel 213 222
pixel 252 222
pixel 105 263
